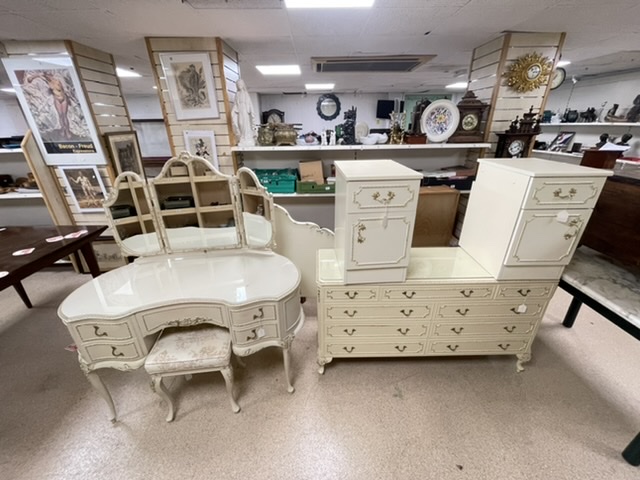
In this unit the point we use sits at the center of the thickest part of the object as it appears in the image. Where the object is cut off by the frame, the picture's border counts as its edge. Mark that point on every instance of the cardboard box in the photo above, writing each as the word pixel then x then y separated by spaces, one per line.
pixel 312 172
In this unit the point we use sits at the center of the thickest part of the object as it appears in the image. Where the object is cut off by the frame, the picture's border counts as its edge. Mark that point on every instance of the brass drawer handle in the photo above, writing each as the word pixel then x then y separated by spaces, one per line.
pixel 253 335
pixel 466 293
pixel 454 348
pixel 505 346
pixel 351 295
pixel 409 294
pixel 385 201
pixel 96 331
pixel 404 347
pixel 351 315
pixel 515 310
pixel 406 330
pixel 406 313
pixel 510 329
pixel 348 349
pixel 558 193
pixel 346 330
pixel 523 292
pixel 361 228
pixel 260 314
pixel 116 354
pixel 458 330
pixel 466 310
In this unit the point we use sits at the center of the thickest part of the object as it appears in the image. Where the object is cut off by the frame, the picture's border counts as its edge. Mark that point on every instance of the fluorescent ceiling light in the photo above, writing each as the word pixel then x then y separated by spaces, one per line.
pixel 562 63
pixel 457 86
pixel 279 69
pixel 328 3
pixel 319 86
pixel 121 72
pixel 8 90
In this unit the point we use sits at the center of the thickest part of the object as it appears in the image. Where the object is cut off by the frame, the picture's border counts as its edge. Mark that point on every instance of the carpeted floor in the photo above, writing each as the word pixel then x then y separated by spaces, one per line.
pixel 568 416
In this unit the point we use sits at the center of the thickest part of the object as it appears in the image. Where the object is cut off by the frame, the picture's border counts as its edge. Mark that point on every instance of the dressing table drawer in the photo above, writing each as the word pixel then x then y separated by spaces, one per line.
pixel 544 290
pixel 471 311
pixel 365 312
pixel 104 331
pixel 255 333
pixel 386 331
pixel 563 192
pixel 478 347
pixel 477 292
pixel 265 312
pixel 122 351
pixel 382 196
pixel 351 294
pixel 459 329
pixel 180 316
pixel 398 348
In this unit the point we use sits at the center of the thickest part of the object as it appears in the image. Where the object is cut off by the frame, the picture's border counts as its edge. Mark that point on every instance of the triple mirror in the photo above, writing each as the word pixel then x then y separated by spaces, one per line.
pixel 190 206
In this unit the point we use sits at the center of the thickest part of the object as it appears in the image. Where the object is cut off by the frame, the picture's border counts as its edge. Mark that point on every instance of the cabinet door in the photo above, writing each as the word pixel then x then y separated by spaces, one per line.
pixel 378 240
pixel 546 237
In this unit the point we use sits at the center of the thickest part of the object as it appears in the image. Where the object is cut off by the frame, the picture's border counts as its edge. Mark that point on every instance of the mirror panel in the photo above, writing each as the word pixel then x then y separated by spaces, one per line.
pixel 131 217
pixel 196 205
pixel 257 210
pixel 328 106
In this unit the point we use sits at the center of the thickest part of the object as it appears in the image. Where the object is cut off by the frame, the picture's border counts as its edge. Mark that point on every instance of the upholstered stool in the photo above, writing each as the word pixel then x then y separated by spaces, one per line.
pixel 189 350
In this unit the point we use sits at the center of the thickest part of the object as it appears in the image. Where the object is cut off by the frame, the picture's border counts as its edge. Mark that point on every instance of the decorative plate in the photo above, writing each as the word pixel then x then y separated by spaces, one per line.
pixel 439 120
pixel 362 130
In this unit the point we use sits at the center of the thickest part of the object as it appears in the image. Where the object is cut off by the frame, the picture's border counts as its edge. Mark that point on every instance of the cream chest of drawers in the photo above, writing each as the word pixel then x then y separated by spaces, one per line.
pixel 448 305
pixel 526 216
pixel 374 217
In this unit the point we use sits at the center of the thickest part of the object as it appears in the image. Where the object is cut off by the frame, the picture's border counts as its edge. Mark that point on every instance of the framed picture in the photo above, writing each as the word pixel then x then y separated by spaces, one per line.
pixel 191 86
pixel 56 111
pixel 561 142
pixel 125 152
pixel 85 187
pixel 203 144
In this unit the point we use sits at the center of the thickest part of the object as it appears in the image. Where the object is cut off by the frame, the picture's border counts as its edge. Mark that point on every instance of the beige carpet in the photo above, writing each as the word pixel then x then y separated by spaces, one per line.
pixel 568 416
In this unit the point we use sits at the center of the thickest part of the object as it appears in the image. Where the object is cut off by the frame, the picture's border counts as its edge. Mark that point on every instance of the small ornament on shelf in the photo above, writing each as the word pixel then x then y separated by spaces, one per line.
pixel 397 132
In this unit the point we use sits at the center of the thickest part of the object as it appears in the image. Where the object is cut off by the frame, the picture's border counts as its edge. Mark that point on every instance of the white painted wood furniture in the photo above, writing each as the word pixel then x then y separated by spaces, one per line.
pixel 187 351
pixel 115 318
pixel 375 215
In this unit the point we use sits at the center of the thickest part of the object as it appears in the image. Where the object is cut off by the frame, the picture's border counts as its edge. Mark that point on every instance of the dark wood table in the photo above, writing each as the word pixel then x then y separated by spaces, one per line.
pixel 44 253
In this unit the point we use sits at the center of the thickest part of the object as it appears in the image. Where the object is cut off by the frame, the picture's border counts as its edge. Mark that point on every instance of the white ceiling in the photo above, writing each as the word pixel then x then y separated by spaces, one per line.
pixel 601 35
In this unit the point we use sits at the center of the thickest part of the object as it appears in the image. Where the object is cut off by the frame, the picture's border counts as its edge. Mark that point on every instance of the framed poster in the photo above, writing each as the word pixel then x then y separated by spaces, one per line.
pixel 561 142
pixel 191 86
pixel 85 187
pixel 125 152
pixel 57 113
pixel 108 255
pixel 203 144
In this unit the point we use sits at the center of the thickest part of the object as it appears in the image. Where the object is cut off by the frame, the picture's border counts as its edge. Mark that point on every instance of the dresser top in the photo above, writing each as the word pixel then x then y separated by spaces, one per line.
pixel 150 282
pixel 429 264
pixel 376 170
pixel 536 167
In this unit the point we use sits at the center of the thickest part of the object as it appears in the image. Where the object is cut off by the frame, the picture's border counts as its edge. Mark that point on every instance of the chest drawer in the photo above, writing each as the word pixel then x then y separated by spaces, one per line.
pixel 104 331
pixel 473 311
pixel 123 351
pixel 563 192
pixel 526 291
pixel 181 316
pixel 373 349
pixel 364 312
pixel 369 196
pixel 255 333
pixel 258 313
pixel 408 330
pixel 476 292
pixel 477 347
pixel 349 294
pixel 451 329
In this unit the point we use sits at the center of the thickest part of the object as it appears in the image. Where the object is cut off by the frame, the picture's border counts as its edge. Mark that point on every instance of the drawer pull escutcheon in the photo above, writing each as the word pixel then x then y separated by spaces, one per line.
pixel 457 330
pixel 96 331
pixel 558 193
pixel 404 347
pixel 409 294
pixel 116 354
pixel 454 348
pixel 351 295
pixel 260 314
pixel 466 293
pixel 406 330
pixel 510 329
pixel 504 347
pixel 361 228
pixel 350 314
pixel 253 335
pixel 385 201
pixel 406 313
pixel 515 310
pixel 346 330
pixel 348 349
pixel 523 292
pixel 466 310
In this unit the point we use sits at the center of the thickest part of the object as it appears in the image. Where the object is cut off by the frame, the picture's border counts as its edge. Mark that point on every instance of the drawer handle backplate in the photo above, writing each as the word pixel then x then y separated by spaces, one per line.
pixel 510 329
pixel 346 330
pixel 463 313
pixel 515 310
pixel 457 330
pixel 406 313
pixel 253 335
pixel 259 315
pixel 406 330
pixel 96 331
pixel 409 294
pixel 558 193
pixel 453 348
pixel 351 295
pixel 348 349
pixel 466 293
pixel 401 349
pixel 524 292
pixel 116 354
pixel 346 312
pixel 385 201
pixel 504 347
pixel 361 228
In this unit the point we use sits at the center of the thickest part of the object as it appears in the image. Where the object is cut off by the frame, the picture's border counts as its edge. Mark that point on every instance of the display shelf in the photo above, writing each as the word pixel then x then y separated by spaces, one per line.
pixel 10 150
pixel 320 148
pixel 306 195
pixel 20 196
pixel 557 154
pixel 177 211
pixel 592 124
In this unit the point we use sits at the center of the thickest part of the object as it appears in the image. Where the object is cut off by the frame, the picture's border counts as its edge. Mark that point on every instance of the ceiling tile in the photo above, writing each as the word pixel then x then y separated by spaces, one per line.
pixel 327 22
pixel 406 21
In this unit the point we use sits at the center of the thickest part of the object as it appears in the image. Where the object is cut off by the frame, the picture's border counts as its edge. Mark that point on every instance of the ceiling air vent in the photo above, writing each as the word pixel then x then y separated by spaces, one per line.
pixel 391 63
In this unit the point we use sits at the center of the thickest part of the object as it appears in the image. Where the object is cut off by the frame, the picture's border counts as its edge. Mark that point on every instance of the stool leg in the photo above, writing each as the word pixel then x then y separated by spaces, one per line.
pixel 227 373
pixel 161 390
pixel 287 363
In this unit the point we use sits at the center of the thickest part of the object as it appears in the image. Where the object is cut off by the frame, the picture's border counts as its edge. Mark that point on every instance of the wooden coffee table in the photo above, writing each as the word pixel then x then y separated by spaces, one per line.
pixel 44 254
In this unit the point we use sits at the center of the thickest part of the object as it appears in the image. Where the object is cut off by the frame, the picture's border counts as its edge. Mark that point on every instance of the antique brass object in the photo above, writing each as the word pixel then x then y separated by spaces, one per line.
pixel 528 72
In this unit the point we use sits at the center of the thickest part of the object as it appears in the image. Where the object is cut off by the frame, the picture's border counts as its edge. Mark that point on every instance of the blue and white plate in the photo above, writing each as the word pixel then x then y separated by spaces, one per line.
pixel 439 120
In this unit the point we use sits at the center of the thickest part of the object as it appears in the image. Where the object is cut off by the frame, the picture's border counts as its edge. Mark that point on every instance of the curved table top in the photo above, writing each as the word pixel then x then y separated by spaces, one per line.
pixel 233 278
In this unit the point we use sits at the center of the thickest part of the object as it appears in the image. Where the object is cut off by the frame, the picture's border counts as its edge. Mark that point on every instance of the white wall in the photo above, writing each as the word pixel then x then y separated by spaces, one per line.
pixel 144 107
pixel 12 122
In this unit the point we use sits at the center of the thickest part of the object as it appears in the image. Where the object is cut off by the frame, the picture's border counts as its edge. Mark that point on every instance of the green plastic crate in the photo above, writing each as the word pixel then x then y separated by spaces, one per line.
pixel 313 187
pixel 278 180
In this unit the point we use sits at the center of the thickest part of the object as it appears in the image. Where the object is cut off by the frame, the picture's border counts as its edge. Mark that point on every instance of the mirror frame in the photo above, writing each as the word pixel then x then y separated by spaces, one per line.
pixel 328 96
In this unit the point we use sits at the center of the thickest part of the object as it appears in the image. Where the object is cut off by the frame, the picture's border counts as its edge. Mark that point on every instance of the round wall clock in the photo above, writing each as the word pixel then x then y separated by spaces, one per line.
pixel 528 72
pixel 557 78
pixel 439 120
pixel 273 116
pixel 515 148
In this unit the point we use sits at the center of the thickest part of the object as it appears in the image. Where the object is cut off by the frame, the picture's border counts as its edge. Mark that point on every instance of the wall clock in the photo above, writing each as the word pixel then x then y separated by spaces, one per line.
pixel 557 78
pixel 528 72
pixel 272 116
pixel 471 114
